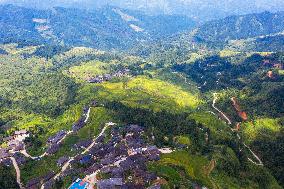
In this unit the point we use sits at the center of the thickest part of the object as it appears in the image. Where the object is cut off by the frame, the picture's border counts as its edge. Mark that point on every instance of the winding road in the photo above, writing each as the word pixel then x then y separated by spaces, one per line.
pixel 213 105
pixel 260 163
pixel 26 154
pixel 18 172
pixel 67 164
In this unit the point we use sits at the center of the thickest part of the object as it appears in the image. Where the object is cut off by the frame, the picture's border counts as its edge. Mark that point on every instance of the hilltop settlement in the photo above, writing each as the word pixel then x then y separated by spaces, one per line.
pixel 116 158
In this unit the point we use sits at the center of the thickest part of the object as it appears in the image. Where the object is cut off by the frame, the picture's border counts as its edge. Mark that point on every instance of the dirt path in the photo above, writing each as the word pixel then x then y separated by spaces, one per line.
pixel 256 157
pixel 166 150
pixel 18 172
pixel 260 163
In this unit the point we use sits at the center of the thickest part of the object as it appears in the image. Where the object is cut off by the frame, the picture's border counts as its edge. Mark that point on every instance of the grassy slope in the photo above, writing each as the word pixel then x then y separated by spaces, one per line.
pixel 149 93
pixel 262 127
pixel 89 69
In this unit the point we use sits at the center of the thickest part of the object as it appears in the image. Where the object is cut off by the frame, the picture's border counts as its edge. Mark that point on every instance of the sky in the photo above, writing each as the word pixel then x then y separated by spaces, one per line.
pixel 203 9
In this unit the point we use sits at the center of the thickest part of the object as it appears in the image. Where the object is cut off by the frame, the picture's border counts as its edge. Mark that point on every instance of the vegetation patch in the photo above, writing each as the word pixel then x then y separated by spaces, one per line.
pixel 264 128
pixel 150 94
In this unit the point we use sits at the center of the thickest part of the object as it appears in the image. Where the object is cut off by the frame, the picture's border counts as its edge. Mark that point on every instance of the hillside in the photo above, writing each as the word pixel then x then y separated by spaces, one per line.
pixel 106 28
pixel 242 27
pixel 269 43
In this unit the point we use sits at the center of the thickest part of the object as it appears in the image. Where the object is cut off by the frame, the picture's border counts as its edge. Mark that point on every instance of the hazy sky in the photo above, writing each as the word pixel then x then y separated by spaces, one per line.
pixel 194 8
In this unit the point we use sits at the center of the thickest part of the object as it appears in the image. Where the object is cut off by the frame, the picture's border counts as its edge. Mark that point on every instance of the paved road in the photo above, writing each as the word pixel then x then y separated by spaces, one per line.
pixel 260 163
pixel 26 154
pixel 94 141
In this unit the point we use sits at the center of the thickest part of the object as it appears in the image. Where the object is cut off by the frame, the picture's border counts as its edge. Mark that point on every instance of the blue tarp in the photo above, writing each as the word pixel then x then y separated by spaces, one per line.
pixel 79 185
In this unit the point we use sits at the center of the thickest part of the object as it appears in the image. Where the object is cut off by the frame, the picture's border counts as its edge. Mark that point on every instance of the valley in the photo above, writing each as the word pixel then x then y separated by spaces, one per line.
pixel 116 98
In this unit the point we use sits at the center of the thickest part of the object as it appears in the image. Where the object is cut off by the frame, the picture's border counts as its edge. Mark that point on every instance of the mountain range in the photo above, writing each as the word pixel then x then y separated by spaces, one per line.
pixel 242 26
pixel 105 28
pixel 115 28
pixel 200 10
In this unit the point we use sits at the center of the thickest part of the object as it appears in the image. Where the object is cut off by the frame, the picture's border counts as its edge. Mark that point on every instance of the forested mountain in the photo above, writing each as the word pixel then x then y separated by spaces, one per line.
pixel 106 28
pixel 269 43
pixel 242 27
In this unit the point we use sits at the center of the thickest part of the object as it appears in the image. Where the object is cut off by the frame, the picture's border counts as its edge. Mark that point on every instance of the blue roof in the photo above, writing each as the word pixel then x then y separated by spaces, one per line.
pixel 86 159
pixel 79 184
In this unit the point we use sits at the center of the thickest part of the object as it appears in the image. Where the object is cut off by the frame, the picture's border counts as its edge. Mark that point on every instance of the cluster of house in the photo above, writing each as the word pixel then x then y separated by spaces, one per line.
pixel 34 183
pixel 82 121
pixel 14 144
pixel 53 144
pixel 122 155
pixel 119 161
pixel 107 77
pixel 54 141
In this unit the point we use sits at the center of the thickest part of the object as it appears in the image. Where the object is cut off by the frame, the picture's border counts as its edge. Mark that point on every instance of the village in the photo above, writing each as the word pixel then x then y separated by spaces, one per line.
pixel 117 162
pixel 114 160
pixel 107 77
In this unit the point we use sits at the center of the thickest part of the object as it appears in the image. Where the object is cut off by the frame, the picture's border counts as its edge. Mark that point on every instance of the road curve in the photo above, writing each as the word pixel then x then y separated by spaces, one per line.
pixel 213 105
pixel 260 163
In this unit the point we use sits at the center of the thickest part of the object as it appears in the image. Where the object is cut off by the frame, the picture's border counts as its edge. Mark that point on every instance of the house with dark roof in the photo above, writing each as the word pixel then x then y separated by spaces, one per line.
pixel 62 160
pixel 110 183
pixel 155 186
pixel 48 176
pixel 20 158
pixel 53 149
pixel 33 183
pixel 56 138
pixel 86 159
pixel 79 125
pixel 16 145
pixel 83 144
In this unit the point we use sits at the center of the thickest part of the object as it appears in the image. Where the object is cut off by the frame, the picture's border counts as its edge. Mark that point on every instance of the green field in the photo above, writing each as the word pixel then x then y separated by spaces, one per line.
pixel 149 93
